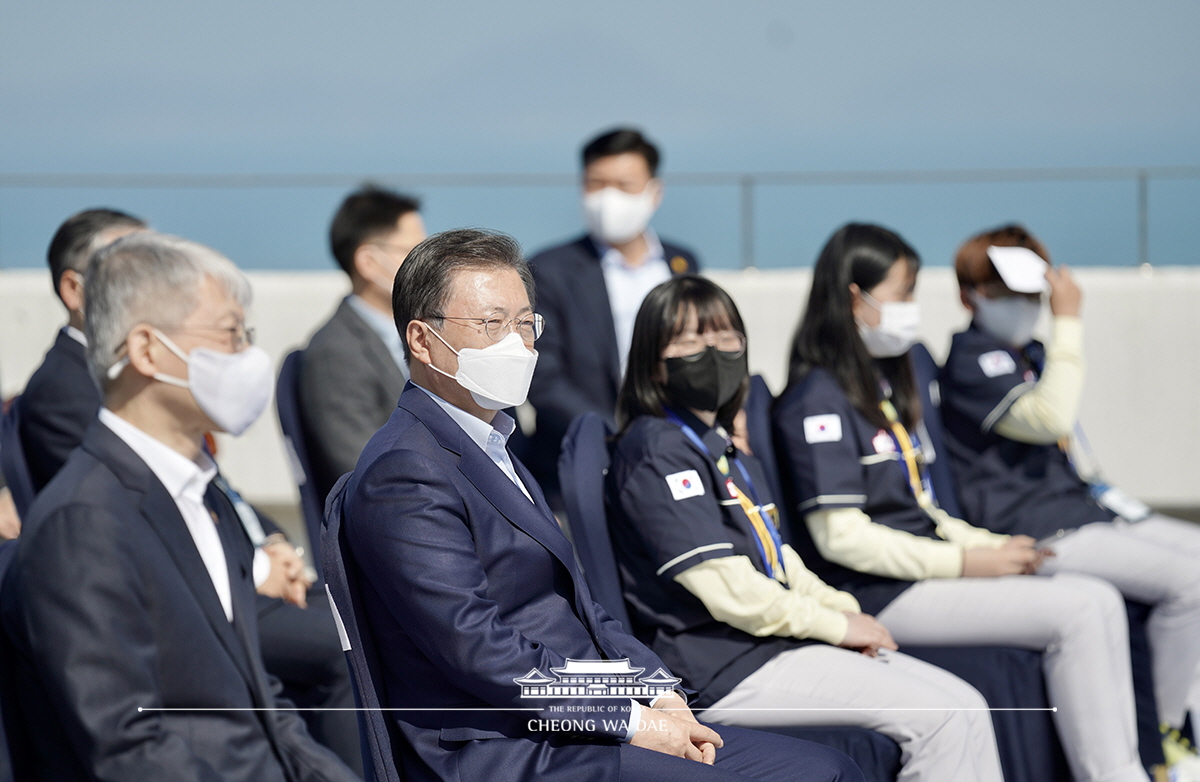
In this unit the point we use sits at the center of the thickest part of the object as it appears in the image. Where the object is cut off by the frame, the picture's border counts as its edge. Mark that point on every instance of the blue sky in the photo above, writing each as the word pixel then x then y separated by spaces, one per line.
pixel 378 88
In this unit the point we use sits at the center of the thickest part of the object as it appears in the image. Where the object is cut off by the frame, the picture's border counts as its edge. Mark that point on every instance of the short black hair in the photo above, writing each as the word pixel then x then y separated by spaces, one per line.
pixel 661 318
pixel 75 240
pixel 365 214
pixel 422 285
pixel 827 335
pixel 619 141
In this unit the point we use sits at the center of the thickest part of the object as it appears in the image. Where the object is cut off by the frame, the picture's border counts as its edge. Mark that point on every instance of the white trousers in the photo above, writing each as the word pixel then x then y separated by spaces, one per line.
pixel 1076 621
pixel 1154 561
pixel 940 722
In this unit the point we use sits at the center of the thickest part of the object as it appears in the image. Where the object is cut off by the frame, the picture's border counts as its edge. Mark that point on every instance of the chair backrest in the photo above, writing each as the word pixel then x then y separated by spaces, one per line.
pixel 582 465
pixel 287 404
pixel 758 431
pixel 941 473
pixel 341 584
pixel 14 746
pixel 12 459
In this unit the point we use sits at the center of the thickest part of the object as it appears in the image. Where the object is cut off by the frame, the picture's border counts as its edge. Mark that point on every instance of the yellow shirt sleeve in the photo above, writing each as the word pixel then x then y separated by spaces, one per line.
pixel 1047 413
pixel 848 537
pixel 964 534
pixel 736 593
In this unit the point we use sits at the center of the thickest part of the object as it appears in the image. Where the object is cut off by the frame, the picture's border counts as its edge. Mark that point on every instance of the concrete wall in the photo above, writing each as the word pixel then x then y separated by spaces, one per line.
pixel 1142 344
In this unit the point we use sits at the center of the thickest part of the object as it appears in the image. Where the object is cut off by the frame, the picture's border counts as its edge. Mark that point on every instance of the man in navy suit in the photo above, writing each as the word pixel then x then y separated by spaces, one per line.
pixel 590 289
pixel 129 608
pixel 468 587
pixel 60 402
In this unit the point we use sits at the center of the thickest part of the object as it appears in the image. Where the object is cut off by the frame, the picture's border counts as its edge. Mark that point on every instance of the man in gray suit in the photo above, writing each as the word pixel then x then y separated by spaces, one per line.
pixel 353 369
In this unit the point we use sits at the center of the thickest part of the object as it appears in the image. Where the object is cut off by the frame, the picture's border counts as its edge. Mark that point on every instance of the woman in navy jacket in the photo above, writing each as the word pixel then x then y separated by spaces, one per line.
pixel 850 434
pixel 1010 405
pixel 722 600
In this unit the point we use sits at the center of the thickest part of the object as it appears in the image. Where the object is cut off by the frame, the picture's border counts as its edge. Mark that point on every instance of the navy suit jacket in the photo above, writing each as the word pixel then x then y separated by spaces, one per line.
pixel 466 585
pixel 60 401
pixel 108 607
pixel 579 367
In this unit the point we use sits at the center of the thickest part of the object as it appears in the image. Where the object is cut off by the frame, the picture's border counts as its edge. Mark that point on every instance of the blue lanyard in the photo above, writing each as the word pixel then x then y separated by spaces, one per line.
pixel 674 418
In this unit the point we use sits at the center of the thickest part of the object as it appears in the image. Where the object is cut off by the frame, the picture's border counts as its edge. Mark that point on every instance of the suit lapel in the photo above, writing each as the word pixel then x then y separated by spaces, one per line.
pixel 162 514
pixel 504 495
pixel 594 306
pixel 372 345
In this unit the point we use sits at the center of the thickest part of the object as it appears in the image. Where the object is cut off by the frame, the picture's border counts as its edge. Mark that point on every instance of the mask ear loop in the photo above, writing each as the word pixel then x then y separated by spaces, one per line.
pixel 116 369
pixel 433 366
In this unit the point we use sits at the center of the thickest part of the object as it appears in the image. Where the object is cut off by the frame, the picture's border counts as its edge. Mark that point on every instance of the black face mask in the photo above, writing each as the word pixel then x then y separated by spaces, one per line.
pixel 707 380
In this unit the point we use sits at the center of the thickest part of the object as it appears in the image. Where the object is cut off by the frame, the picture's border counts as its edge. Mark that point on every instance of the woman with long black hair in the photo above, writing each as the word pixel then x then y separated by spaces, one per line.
pixel 731 608
pixel 853 450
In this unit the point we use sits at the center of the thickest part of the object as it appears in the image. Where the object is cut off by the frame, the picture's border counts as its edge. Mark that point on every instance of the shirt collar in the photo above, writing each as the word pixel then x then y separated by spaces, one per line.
pixel 611 257
pixel 75 334
pixel 476 428
pixel 181 476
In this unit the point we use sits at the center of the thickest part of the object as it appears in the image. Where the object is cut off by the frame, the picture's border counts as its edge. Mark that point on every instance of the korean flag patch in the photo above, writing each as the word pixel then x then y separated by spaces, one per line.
pixel 997 363
pixel 823 428
pixel 685 484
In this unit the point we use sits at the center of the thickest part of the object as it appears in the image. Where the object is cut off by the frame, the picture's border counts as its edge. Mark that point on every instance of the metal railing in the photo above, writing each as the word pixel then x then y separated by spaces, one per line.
pixel 747 184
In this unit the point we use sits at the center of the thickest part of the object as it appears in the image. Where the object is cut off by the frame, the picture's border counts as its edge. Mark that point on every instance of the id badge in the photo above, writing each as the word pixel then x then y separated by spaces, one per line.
pixel 1129 508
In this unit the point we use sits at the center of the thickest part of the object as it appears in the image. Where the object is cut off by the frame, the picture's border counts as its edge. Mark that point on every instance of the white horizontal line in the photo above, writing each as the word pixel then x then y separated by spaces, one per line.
pixel 814 708
pixel 892 708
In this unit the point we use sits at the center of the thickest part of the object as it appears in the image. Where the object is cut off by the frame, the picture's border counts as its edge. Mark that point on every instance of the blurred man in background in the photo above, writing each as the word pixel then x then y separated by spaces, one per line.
pixel 353 369
pixel 590 289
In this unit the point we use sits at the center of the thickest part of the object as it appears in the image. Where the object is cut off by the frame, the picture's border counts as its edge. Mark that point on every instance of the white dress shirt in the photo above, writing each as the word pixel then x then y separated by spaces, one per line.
pixel 627 285
pixel 186 481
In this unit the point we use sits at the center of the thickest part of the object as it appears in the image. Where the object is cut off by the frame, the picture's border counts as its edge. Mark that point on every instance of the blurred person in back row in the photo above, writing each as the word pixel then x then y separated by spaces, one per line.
pixel 590 290
pixel 1011 407
pixel 353 369
pixel 129 608
pixel 59 404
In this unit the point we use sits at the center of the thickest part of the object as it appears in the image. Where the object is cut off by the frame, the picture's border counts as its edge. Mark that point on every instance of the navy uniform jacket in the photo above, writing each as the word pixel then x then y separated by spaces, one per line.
pixel 833 457
pixel 467 585
pixel 1005 485
pixel 579 367
pixel 60 401
pixel 108 607
pixel 656 537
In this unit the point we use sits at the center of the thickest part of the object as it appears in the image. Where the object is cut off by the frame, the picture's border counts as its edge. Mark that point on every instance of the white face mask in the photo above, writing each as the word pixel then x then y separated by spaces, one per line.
pixel 615 217
pixel 497 376
pixel 1011 319
pixel 897 329
pixel 232 389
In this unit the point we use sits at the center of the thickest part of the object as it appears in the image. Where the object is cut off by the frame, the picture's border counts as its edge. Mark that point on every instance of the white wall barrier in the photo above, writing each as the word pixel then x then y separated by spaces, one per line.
pixel 1142 342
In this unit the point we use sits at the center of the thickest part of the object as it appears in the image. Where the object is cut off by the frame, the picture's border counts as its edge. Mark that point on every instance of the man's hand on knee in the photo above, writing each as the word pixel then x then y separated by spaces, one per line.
pixel 662 731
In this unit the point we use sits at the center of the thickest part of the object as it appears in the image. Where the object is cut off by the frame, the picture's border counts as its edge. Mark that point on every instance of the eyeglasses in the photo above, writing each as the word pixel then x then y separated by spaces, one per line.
pixel 692 345
pixel 528 327
pixel 240 336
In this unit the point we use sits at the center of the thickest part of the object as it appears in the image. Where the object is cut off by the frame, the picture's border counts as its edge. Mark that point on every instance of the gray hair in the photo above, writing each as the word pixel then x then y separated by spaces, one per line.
pixel 422 285
pixel 153 278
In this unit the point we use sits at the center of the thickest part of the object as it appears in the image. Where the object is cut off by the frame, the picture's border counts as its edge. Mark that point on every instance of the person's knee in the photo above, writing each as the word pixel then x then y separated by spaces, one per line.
pixel 833 766
pixel 1091 604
